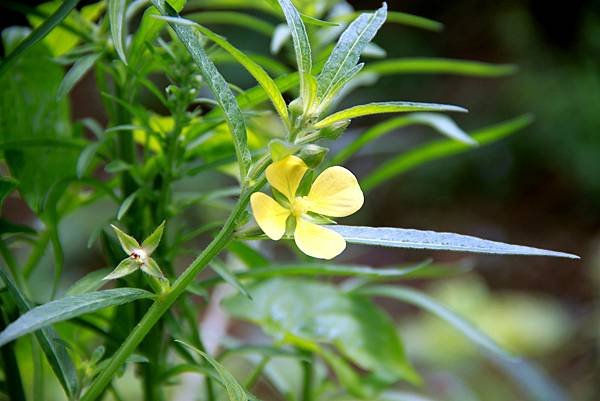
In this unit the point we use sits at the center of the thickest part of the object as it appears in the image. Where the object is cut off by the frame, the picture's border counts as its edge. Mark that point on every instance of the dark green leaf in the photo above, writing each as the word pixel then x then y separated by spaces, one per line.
pixel 38 34
pixel 86 158
pixel 68 308
pixel 440 149
pixel 31 114
pixel 383 107
pixel 7 185
pixel 118 26
pixel 418 239
pixel 54 350
pixel 217 85
pixel 348 49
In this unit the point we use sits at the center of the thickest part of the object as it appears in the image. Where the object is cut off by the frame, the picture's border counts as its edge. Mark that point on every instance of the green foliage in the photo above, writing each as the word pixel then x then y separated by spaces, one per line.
pixel 161 169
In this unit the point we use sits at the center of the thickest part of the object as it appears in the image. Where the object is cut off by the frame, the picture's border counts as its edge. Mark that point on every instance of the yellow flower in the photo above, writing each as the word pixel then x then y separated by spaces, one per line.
pixel 335 193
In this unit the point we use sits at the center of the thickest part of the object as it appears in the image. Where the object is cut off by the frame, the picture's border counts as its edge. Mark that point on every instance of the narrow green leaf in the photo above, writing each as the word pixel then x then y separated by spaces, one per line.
pixel 88 283
pixel 441 123
pixel 38 34
pixel 321 269
pixel 118 26
pixel 68 308
pixel 440 149
pixel 124 268
pixel 126 205
pixel 217 85
pixel 232 18
pixel 252 67
pixel 128 243
pixel 54 349
pixel 86 157
pixel 79 69
pixel 418 239
pixel 7 185
pixel 347 51
pixel 531 379
pixel 151 242
pixel 229 277
pixel 384 107
pixel 301 44
pixel 400 18
pixel 439 66
pixel 235 392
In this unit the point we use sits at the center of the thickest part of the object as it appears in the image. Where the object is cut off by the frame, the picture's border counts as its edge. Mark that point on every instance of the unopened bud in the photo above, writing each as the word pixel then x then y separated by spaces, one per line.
pixel 280 149
pixel 335 130
pixel 313 155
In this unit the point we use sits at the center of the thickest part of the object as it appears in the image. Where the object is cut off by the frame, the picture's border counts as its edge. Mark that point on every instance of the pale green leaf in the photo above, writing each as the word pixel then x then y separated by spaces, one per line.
pixel 400 18
pixel 77 71
pixel 235 392
pixel 531 379
pixel 86 157
pixel 418 239
pixel 383 107
pixel 127 202
pixel 53 348
pixel 68 308
pixel 233 18
pixel 128 243
pixel 217 85
pixel 118 26
pixel 347 51
pixel 439 122
pixel 439 66
pixel 440 149
pixel 152 241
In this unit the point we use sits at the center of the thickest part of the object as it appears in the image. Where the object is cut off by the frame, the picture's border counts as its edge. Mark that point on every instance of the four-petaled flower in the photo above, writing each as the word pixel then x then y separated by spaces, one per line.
pixel 139 255
pixel 335 193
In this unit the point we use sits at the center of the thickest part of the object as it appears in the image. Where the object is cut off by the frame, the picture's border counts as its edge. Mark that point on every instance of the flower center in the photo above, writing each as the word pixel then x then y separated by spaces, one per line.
pixel 299 206
pixel 139 255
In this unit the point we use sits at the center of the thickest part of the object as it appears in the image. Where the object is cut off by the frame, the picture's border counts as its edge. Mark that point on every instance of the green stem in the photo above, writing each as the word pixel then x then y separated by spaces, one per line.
pixel 36 253
pixel 256 373
pixel 307 379
pixel 162 304
pixel 12 376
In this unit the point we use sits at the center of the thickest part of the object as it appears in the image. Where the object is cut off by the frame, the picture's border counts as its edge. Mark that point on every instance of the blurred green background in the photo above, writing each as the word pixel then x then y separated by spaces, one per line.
pixel 540 187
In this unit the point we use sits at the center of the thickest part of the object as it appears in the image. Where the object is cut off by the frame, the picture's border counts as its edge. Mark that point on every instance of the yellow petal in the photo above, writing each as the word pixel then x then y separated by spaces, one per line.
pixel 317 241
pixel 286 174
pixel 335 193
pixel 270 215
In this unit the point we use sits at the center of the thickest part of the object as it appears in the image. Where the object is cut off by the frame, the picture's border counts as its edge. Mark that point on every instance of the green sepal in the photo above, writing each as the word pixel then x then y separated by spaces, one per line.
pixel 127 266
pixel 151 267
pixel 128 243
pixel 280 149
pixel 151 242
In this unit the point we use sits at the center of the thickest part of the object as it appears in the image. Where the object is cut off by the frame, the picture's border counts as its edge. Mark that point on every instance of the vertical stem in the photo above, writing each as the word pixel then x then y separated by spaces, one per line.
pixel 12 376
pixel 307 379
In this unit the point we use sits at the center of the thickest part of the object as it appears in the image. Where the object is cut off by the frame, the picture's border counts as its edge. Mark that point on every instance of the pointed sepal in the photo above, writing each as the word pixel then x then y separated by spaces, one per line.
pixel 151 267
pixel 127 266
pixel 151 242
pixel 128 243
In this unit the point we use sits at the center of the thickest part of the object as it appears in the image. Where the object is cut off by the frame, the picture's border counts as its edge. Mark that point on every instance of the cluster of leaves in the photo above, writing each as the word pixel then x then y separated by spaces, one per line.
pixel 140 157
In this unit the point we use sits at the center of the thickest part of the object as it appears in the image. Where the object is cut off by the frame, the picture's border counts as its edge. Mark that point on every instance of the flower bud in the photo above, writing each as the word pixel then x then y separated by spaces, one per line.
pixel 313 155
pixel 280 149
pixel 335 130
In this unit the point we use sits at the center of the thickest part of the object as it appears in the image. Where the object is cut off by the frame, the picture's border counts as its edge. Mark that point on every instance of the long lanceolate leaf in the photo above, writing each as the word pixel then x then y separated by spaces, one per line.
pixel 532 380
pixel 348 49
pixel 55 352
pixel 118 27
pixel 417 239
pixel 252 67
pixel 216 83
pixel 439 149
pixel 68 308
pixel 381 108
pixel 39 33
pixel 301 45
pixel 439 66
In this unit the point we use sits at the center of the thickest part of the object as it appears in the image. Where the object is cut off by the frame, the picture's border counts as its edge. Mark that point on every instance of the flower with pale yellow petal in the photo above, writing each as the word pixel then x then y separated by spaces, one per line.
pixel 335 193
